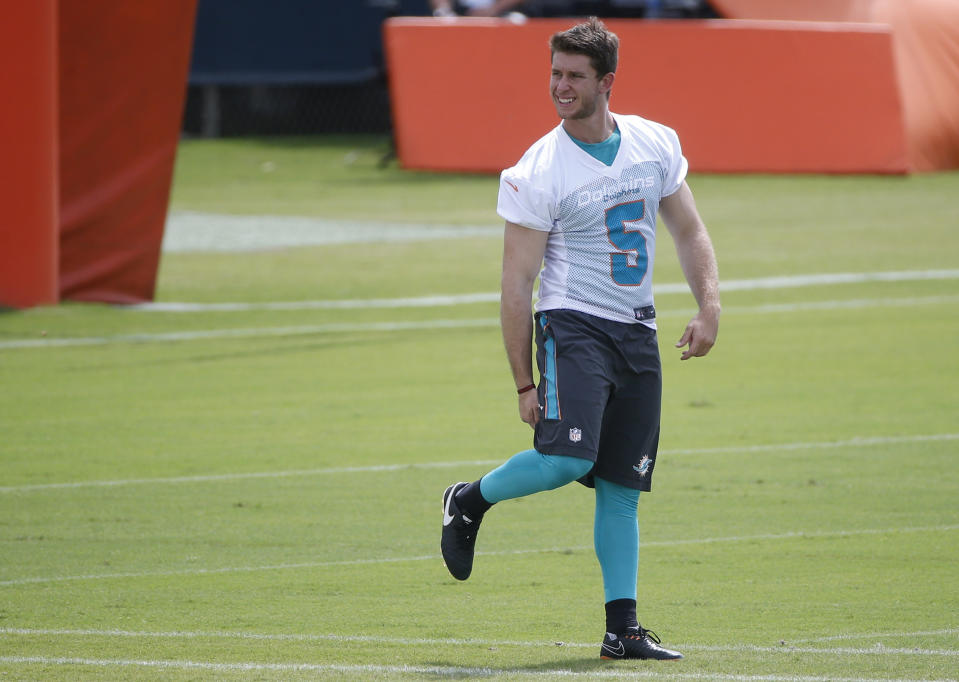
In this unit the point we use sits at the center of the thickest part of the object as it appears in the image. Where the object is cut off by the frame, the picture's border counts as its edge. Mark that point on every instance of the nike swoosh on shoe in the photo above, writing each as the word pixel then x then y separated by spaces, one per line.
pixel 447 517
pixel 619 651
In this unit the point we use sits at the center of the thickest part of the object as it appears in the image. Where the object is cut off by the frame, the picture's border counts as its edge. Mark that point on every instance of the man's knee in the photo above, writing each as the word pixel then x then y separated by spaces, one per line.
pixel 564 469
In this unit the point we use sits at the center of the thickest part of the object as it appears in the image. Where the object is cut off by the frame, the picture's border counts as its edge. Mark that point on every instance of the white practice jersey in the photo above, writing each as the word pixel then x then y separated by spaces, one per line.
pixel 601 219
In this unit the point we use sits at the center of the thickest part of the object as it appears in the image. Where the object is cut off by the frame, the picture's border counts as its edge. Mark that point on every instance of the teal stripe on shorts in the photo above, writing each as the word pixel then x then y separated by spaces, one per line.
pixel 550 396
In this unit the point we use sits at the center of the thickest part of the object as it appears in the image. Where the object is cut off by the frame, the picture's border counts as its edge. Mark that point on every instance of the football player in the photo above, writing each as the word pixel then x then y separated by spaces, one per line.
pixel 581 207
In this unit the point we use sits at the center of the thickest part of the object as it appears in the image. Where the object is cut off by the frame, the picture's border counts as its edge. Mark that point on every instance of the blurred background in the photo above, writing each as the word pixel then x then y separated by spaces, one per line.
pixel 306 67
pixel 107 92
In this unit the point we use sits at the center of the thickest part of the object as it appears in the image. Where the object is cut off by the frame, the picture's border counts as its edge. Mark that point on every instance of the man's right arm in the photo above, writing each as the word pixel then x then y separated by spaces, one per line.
pixel 523 250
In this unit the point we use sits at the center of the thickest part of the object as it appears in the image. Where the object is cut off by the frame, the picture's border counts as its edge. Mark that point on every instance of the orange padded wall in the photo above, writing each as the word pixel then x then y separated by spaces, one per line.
pixel 472 94
pixel 926 47
pixel 790 10
pixel 123 73
pixel 28 137
pixel 926 36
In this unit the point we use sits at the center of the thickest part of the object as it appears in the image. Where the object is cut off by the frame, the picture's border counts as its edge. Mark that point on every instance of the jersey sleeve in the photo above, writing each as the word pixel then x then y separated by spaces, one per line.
pixel 521 203
pixel 676 164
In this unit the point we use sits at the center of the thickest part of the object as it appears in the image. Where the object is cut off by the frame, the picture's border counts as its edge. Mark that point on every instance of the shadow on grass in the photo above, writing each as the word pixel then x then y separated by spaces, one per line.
pixel 366 141
pixel 374 157
pixel 456 670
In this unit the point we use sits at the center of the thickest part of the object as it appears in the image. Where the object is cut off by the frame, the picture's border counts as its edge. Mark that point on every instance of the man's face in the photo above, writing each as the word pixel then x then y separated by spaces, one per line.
pixel 574 86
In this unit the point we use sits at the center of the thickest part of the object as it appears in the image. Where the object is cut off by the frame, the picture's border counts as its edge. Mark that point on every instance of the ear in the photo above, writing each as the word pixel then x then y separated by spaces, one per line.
pixel 606 82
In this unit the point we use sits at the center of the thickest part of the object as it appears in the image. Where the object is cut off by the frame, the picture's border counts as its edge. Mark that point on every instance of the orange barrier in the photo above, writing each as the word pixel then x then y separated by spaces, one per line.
pixel 95 96
pixel 28 176
pixel 790 10
pixel 926 48
pixel 471 94
pixel 123 73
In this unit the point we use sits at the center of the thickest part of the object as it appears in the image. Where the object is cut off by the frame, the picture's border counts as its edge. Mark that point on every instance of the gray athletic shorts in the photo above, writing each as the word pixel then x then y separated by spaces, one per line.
pixel 600 394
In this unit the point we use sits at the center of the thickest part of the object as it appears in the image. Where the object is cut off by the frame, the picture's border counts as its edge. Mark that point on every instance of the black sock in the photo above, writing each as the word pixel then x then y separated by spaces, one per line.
pixel 620 615
pixel 471 502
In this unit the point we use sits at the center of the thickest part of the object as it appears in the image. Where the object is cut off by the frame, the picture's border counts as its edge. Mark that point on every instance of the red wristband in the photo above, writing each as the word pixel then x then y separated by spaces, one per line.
pixel 523 390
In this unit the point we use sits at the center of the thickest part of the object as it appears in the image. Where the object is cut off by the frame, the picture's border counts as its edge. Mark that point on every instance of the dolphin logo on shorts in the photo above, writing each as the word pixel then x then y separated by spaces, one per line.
pixel 643 467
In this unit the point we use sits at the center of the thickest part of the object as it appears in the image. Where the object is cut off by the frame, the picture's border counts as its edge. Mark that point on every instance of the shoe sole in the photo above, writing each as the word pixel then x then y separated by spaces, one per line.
pixel 610 658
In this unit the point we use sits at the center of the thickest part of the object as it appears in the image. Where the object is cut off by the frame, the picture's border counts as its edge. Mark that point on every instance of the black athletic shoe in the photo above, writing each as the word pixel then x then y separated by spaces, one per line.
pixel 459 536
pixel 636 643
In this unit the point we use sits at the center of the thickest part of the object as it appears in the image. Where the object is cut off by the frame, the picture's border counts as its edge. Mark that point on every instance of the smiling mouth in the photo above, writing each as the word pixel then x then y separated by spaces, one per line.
pixel 565 100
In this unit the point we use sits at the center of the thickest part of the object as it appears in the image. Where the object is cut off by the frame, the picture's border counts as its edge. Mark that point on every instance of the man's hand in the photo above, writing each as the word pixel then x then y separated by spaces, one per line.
pixel 529 407
pixel 700 334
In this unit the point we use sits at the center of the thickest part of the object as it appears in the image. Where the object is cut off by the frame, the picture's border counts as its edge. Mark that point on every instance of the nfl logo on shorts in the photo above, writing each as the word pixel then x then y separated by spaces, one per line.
pixel 575 435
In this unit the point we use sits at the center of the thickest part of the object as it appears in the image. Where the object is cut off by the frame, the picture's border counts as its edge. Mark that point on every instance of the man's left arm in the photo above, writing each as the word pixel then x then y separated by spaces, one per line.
pixel 698 260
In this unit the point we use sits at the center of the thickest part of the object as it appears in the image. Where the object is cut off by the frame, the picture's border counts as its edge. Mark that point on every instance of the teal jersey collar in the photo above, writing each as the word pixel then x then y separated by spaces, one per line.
pixel 605 151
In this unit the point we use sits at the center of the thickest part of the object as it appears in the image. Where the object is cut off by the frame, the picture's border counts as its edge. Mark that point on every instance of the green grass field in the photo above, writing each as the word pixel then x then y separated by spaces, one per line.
pixel 254 493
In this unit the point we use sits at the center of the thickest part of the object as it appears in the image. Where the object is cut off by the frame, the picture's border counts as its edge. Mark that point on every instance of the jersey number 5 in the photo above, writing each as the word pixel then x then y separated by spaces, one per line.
pixel 628 265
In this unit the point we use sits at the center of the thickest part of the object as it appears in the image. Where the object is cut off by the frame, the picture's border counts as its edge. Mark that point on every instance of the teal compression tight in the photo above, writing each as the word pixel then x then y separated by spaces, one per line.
pixel 616 538
pixel 531 472
pixel 615 527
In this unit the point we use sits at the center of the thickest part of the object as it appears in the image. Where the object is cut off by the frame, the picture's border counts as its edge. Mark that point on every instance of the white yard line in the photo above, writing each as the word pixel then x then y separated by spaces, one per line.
pixel 435 557
pixel 192 232
pixel 875 650
pixel 381 468
pixel 878 635
pixel 439 300
pixel 206 334
pixel 787 282
pixel 614 672
pixel 379 327
pixel 434 301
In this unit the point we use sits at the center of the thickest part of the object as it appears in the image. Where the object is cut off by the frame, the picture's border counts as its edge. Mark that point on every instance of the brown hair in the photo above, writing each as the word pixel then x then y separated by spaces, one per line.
pixel 590 38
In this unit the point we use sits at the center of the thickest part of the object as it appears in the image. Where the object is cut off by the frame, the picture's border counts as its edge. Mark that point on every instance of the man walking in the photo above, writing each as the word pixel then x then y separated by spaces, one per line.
pixel 580 210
